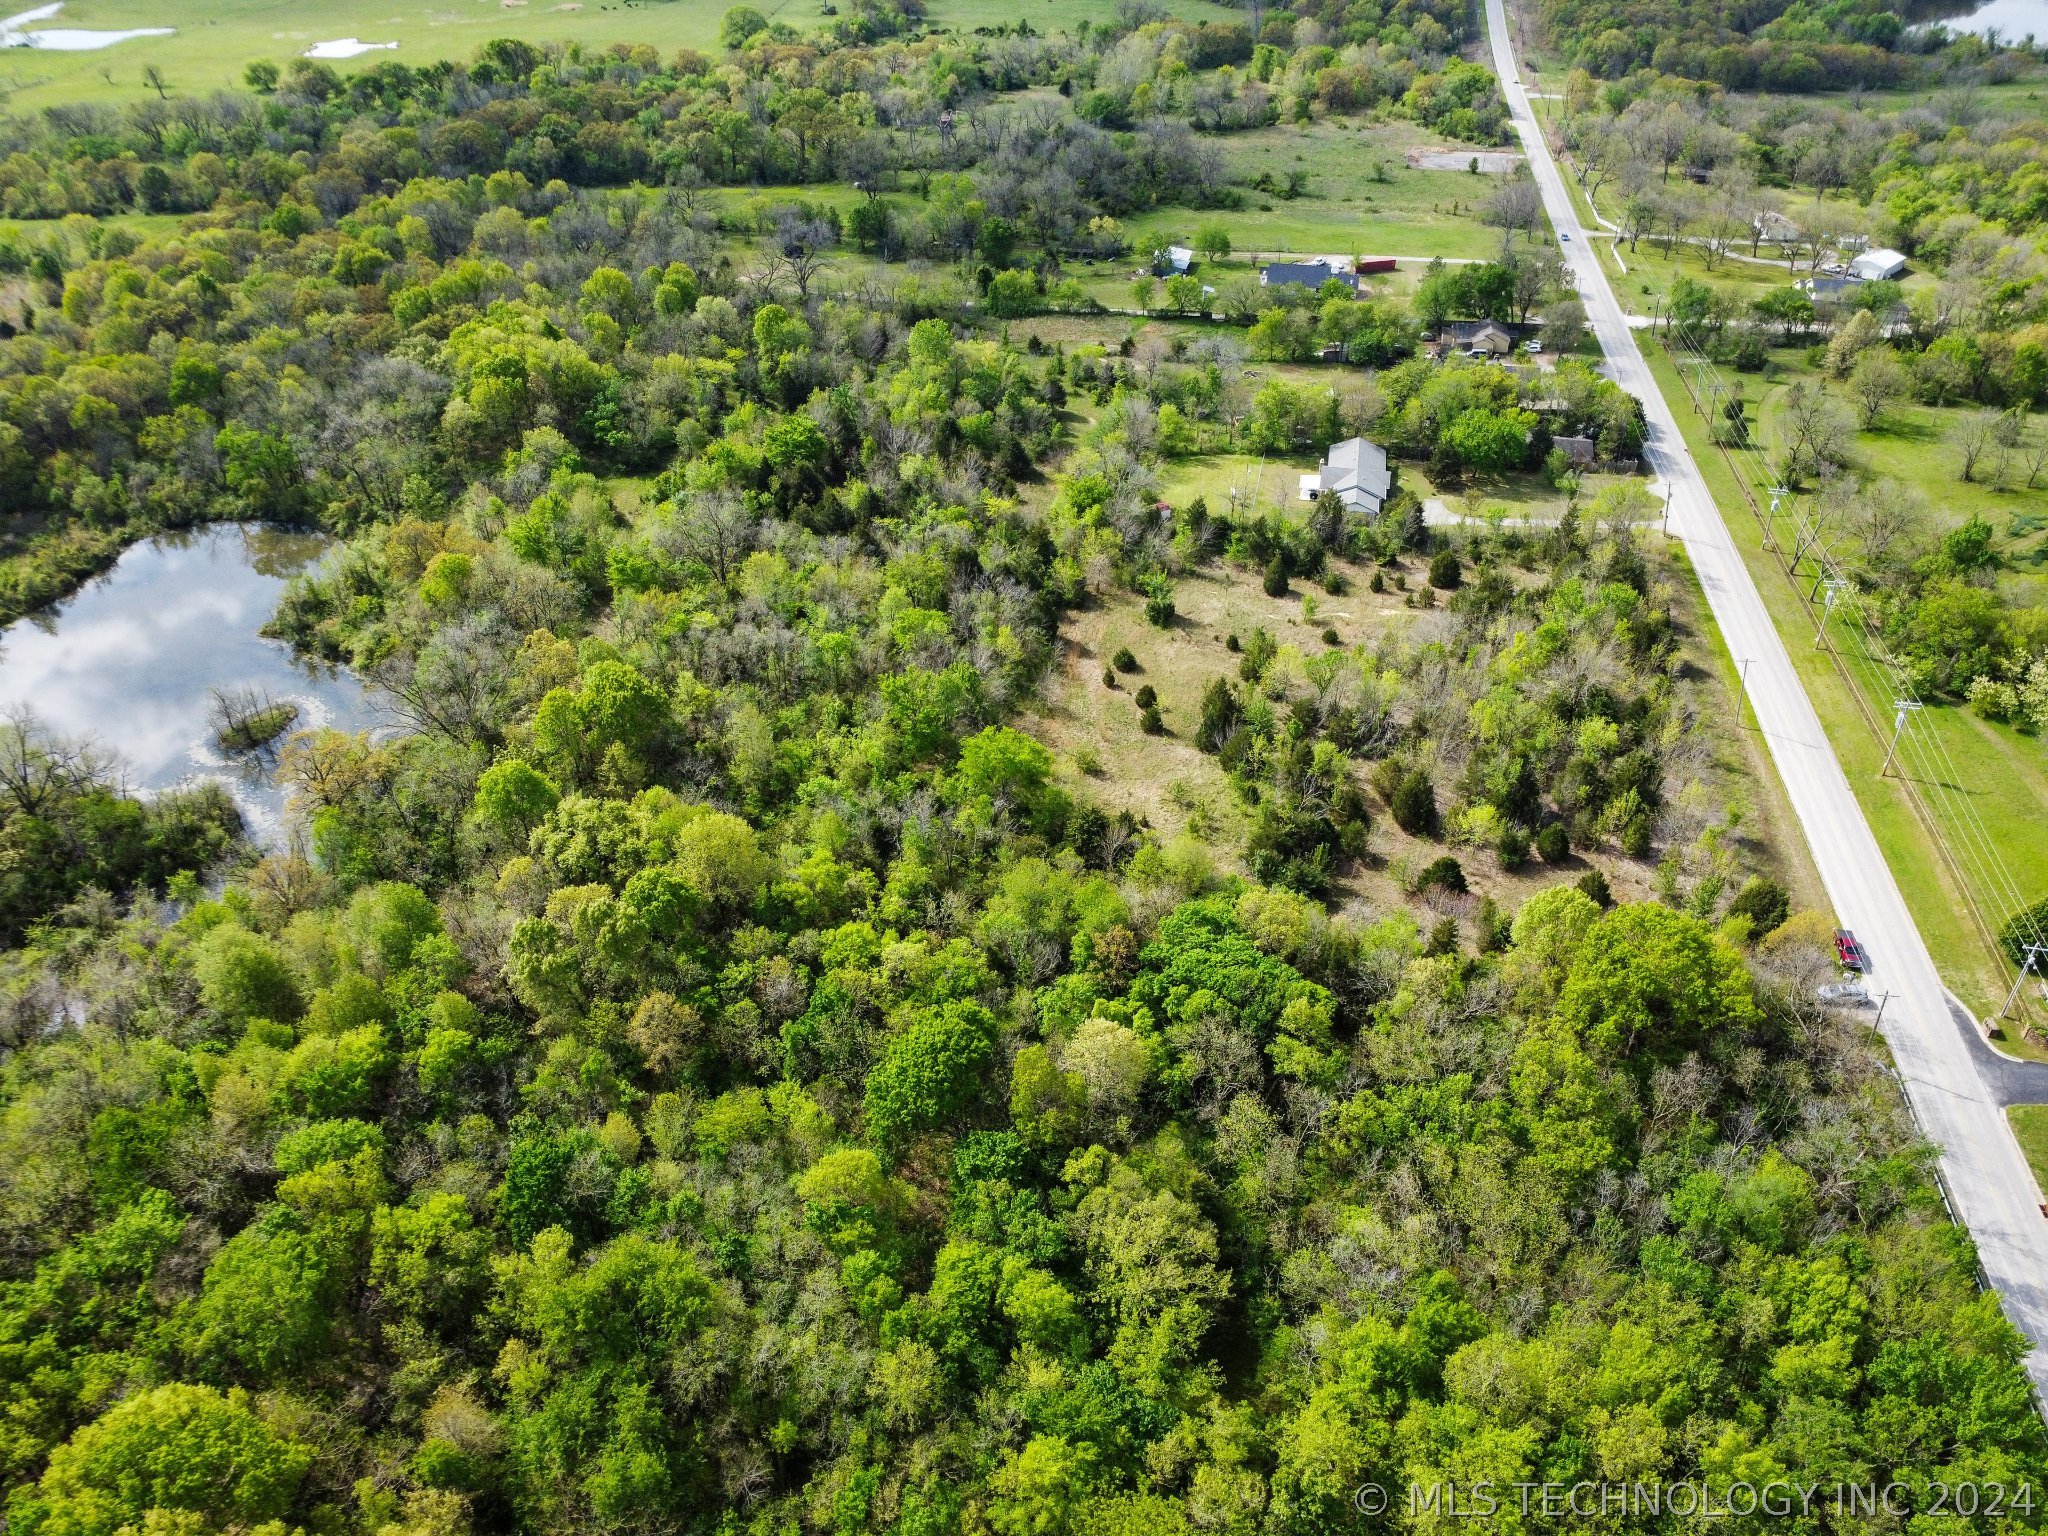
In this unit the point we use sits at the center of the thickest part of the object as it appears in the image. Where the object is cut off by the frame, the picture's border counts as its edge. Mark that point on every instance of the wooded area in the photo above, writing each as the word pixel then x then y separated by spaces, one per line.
pixel 708 1071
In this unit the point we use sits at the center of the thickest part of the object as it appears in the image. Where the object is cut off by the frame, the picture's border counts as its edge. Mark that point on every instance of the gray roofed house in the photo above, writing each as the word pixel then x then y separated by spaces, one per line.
pixel 1310 274
pixel 1773 225
pixel 1821 286
pixel 1356 472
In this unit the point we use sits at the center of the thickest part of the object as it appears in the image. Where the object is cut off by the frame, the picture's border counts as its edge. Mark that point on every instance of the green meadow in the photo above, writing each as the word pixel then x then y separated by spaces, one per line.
pixel 215 39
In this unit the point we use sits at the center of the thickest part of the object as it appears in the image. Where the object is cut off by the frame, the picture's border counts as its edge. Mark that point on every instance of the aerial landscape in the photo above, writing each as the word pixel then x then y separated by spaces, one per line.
pixel 938 768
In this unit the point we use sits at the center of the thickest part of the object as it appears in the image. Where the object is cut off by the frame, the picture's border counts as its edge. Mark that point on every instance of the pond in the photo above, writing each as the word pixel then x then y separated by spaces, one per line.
pixel 14 33
pixel 132 660
pixel 2012 20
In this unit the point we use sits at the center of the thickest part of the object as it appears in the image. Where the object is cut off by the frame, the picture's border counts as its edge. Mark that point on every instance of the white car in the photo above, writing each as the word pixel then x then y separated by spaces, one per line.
pixel 1850 994
pixel 1532 346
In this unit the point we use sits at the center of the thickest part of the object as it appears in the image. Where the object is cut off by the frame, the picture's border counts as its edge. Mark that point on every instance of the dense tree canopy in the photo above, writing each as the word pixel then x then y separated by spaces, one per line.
pixel 716 1068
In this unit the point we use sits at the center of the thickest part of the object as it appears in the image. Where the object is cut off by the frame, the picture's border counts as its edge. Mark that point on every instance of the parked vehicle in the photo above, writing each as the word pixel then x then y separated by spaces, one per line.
pixel 1850 994
pixel 1532 346
pixel 1849 952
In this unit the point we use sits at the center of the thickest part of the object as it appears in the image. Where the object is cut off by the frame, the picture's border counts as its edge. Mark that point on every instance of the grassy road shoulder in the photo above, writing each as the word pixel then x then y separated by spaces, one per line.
pixel 1938 898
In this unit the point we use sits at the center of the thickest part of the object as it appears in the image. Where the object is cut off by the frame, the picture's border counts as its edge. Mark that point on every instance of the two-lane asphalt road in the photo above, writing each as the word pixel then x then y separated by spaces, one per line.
pixel 1990 1187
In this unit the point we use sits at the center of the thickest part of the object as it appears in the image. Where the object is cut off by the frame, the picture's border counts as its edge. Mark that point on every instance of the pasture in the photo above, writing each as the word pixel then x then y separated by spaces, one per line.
pixel 1355 194
pixel 216 39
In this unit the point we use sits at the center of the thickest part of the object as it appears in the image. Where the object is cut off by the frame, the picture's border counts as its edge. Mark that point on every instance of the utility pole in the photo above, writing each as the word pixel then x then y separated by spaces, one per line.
pixel 2033 955
pixel 1883 998
pixel 1778 494
pixel 1835 590
pixel 1902 708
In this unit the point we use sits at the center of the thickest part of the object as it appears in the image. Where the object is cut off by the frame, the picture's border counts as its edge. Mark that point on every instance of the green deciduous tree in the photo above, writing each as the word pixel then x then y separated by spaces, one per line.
pixel 931 1068
pixel 177 1450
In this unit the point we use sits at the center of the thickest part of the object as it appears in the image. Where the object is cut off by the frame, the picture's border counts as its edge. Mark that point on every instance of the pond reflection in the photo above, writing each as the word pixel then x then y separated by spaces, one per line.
pixel 133 658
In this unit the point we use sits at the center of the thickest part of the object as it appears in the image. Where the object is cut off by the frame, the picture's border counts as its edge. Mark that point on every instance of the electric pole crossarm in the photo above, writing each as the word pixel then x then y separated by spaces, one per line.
pixel 2032 958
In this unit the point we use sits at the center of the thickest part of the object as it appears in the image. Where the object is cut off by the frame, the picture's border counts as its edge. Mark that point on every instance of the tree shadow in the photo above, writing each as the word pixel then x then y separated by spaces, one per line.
pixel 1906 430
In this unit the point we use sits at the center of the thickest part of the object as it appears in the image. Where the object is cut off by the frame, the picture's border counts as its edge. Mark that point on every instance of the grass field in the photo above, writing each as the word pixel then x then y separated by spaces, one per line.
pixel 1998 774
pixel 2030 1125
pixel 1912 445
pixel 1361 197
pixel 1225 480
pixel 215 39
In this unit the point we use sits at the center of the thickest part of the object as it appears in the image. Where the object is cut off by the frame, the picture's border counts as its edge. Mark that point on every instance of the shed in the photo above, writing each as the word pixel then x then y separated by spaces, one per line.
pixel 1174 261
pixel 1580 450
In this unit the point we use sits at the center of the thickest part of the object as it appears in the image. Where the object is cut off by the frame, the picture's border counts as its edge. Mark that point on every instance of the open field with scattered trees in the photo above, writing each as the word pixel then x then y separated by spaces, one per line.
pixel 216 39
pixel 750 1054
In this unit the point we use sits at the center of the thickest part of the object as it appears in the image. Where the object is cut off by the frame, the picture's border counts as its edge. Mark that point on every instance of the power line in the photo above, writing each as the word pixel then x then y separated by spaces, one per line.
pixel 1944 780
pixel 1931 764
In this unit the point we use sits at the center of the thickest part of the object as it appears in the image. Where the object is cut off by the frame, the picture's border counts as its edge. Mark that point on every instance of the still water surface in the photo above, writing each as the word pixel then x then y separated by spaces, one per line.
pixel 2012 20
pixel 131 659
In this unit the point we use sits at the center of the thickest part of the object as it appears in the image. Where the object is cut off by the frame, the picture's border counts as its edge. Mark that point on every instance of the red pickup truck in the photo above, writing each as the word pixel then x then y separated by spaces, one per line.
pixel 1848 951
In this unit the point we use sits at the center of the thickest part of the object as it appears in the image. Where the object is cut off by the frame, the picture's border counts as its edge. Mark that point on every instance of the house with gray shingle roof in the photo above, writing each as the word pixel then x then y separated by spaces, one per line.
pixel 1310 274
pixel 1357 473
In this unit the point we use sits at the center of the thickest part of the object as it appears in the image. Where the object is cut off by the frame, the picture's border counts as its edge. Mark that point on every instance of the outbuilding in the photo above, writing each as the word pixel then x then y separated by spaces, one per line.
pixel 1878 266
pixel 1486 336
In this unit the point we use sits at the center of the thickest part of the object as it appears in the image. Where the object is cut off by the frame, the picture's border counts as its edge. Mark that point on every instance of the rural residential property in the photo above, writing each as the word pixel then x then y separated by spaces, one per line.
pixel 1356 473
pixel 927 768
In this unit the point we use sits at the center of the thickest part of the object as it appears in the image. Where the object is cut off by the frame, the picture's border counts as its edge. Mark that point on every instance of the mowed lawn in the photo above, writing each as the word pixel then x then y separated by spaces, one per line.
pixel 1913 445
pixel 216 38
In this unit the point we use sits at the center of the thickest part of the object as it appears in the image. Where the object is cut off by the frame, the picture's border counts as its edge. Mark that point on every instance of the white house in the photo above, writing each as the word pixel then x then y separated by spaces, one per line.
pixel 1356 472
pixel 1877 266
pixel 1773 225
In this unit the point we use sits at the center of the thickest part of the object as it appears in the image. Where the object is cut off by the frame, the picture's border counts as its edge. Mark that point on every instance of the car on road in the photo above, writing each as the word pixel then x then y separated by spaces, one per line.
pixel 1564 235
pixel 1849 952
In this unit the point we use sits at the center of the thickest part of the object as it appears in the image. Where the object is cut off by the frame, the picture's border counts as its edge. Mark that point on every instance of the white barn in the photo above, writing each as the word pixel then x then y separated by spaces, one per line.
pixel 1877 266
